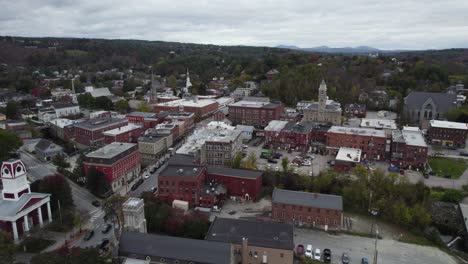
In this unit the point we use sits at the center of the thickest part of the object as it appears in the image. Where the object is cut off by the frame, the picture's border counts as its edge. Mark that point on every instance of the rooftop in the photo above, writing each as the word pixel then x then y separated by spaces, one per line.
pixel 317 200
pixel 100 122
pixel 448 124
pixel 111 150
pixel 61 105
pixel 276 125
pixel 349 154
pixel 189 102
pixel 151 138
pixel 378 123
pixel 158 246
pixel 357 131
pixel 121 130
pixel 132 203
pixel 98 92
pixel 62 122
pixel 409 136
pixel 177 170
pixel 258 233
pixel 9 209
pixel 255 104
pixel 250 174
pixel 143 114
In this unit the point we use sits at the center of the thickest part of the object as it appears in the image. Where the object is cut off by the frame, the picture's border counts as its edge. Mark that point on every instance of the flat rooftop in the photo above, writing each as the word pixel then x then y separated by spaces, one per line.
pixel 177 170
pixel 143 114
pixel 111 150
pixel 378 123
pixel 254 104
pixel 100 122
pixel 349 155
pixel 357 131
pixel 409 137
pixel 276 125
pixel 448 124
pixel 317 200
pixel 62 122
pixel 189 102
pixel 259 233
pixel 249 174
pixel 121 130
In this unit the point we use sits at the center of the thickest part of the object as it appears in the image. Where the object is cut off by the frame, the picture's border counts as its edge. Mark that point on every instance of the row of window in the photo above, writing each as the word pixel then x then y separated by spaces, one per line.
pixel 309 209
pixel 309 219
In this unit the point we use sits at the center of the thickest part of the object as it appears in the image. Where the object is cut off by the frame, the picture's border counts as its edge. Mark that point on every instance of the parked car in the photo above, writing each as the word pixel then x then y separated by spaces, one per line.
pixel 296 170
pixel 88 235
pixel 300 250
pixel 105 242
pixel 402 172
pixel 308 251
pixel 464 153
pixel 138 183
pixel 277 155
pixel 146 175
pixel 345 258
pixel 439 154
pixel 327 255
pixel 392 168
pixel 364 261
pixel 272 161
pixel 307 163
pixel 317 254
pixel 276 168
pixel 96 203
pixel 426 175
pixel 153 169
pixel 154 189
pixel 106 228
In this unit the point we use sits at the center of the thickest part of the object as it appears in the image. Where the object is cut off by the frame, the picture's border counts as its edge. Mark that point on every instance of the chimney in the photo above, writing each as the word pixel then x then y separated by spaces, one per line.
pixel 245 250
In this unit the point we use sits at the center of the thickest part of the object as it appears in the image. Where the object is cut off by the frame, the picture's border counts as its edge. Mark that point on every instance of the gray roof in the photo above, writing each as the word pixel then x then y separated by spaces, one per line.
pixel 235 172
pixel 182 159
pixel 143 114
pixel 9 209
pixel 44 145
pixel 317 200
pixel 177 248
pixel 101 122
pixel 444 102
pixel 61 105
pixel 258 233
pixel 176 170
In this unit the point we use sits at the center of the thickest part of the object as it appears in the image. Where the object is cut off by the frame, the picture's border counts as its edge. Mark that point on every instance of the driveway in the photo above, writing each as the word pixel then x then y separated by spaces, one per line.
pixel 389 251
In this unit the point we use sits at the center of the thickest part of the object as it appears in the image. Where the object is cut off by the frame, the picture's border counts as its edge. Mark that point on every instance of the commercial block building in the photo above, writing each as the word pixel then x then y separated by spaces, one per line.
pixel 255 241
pixel 346 159
pixel 409 149
pixel 245 184
pixel 90 132
pixel 255 113
pixel 119 162
pixel 310 209
pixel 153 146
pixel 201 108
pixel 447 133
pixel 145 120
pixel 62 128
pixel 128 133
pixel 295 135
pixel 372 142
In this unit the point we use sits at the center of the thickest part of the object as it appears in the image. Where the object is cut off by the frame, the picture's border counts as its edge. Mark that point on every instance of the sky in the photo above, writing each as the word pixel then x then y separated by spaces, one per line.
pixel 397 24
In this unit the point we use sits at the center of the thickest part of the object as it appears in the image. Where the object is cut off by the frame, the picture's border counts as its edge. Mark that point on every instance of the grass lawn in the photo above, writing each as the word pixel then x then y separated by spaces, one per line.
pixel 443 166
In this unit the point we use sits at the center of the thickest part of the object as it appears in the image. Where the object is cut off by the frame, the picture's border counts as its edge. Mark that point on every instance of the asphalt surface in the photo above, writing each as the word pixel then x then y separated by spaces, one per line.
pixel 389 251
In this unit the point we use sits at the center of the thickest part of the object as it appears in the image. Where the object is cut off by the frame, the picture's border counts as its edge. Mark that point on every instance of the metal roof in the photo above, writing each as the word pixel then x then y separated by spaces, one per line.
pixel 177 170
pixel 448 124
pixel 235 172
pixel 318 200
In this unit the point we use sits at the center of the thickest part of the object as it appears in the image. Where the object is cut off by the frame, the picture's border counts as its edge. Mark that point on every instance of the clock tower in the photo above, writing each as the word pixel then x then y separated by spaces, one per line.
pixel 322 96
pixel 15 183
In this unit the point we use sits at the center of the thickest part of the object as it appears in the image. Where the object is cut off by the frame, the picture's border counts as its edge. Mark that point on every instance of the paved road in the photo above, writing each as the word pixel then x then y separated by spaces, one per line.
pixel 390 251
pixel 149 183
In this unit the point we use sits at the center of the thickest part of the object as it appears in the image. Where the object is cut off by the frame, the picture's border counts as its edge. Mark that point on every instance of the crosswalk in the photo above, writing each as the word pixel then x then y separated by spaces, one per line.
pixel 95 215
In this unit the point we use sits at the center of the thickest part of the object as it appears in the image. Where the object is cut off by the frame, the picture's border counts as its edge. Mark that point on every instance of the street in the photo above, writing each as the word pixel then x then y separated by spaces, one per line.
pixel 389 251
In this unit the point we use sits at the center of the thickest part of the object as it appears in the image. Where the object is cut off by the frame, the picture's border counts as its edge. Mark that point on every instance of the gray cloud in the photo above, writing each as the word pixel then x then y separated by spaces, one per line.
pixel 398 24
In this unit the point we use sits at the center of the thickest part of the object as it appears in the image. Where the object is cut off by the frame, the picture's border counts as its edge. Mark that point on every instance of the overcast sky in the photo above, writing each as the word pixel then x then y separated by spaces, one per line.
pixel 397 24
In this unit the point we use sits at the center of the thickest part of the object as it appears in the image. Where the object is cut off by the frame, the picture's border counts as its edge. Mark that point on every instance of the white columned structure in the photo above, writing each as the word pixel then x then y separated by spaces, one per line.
pixel 26 223
pixel 39 213
pixel 15 230
pixel 49 212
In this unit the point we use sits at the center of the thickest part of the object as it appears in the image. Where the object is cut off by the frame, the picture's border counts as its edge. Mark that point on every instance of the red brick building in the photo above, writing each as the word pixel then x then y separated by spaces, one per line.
pixel 128 134
pixel 309 209
pixel 409 149
pixel 90 132
pixel 254 113
pixel 201 108
pixel 301 136
pixel 62 128
pixel 187 118
pixel 447 133
pixel 202 186
pixel 119 162
pixel 146 120
pixel 246 184
pixel 371 142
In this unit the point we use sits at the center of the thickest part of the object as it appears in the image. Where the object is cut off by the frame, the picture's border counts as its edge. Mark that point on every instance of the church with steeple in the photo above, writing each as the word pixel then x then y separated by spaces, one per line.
pixel 325 110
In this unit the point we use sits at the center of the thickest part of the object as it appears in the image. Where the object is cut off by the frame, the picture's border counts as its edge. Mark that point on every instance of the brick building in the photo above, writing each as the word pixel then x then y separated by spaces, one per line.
pixel 201 108
pixel 153 146
pixel 90 132
pixel 447 133
pixel 187 118
pixel 119 162
pixel 310 209
pixel 62 128
pixel 255 241
pixel 128 134
pixel 204 186
pixel 409 149
pixel 346 159
pixel 145 120
pixel 245 184
pixel 372 142
pixel 255 113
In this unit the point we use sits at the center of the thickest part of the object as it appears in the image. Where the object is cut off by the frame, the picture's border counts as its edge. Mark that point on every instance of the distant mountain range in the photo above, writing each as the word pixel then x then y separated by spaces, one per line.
pixel 348 50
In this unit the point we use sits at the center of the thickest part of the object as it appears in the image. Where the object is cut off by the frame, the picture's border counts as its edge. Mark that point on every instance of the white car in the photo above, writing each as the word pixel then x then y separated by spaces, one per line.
pixel 308 251
pixel 146 175
pixel 296 170
pixel 276 168
pixel 317 255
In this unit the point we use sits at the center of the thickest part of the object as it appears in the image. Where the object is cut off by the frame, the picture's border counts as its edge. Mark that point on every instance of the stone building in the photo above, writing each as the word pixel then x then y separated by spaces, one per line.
pixel 325 110
pixel 134 215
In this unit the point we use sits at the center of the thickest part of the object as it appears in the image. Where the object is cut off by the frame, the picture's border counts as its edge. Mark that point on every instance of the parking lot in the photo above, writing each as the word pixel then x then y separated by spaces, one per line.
pixel 389 251
pixel 318 164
